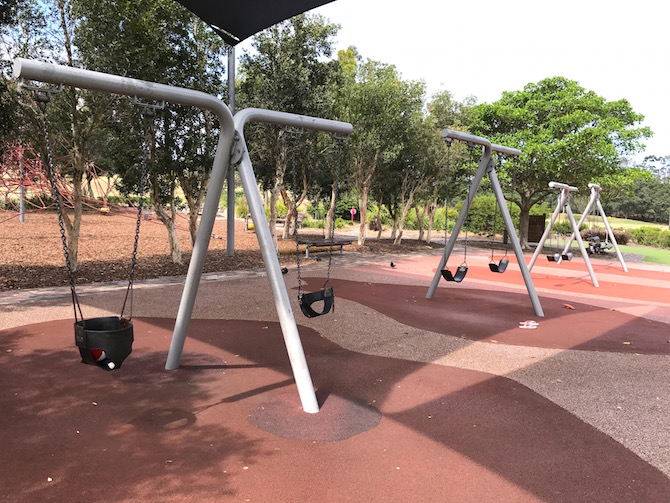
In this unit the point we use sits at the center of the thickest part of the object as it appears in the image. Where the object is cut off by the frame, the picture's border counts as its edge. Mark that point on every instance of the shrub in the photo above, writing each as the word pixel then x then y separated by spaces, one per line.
pixel 340 223
pixel 312 224
pixel 622 236
pixel 438 222
pixel 652 236
pixel 36 201
pixel 484 212
pixel 539 209
pixel 241 208
pixel 565 228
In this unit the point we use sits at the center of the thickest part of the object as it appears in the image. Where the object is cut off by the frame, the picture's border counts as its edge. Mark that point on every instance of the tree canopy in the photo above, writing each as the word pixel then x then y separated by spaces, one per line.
pixel 565 132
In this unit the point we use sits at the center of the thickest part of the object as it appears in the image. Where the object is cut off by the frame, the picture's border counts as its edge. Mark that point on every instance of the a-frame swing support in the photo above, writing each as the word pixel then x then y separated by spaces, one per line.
pixel 485 166
pixel 564 204
pixel 231 147
pixel 595 200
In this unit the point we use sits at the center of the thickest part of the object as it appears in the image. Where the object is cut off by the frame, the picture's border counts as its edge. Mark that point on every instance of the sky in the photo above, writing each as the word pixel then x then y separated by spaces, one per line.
pixel 485 47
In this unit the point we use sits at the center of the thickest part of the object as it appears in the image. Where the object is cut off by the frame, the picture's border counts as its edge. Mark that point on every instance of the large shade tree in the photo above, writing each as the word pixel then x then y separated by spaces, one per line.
pixel 565 133
pixel 379 107
pixel 289 72
pixel 159 41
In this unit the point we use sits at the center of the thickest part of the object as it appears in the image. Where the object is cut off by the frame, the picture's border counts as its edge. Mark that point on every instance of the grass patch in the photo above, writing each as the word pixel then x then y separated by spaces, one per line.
pixel 615 223
pixel 651 255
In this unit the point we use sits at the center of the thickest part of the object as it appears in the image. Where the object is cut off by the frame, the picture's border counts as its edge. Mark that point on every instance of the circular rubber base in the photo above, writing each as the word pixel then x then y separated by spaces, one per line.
pixel 337 419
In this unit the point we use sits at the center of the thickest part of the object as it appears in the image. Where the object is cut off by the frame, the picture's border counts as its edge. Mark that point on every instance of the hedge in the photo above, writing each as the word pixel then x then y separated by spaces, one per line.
pixel 652 236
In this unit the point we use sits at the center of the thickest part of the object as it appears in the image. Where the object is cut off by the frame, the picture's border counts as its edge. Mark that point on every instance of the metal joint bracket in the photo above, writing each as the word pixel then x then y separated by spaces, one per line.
pixel 41 93
pixel 236 150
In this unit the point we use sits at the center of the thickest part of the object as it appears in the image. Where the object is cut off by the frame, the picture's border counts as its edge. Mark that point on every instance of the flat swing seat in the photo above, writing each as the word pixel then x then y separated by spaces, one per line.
pixel 308 299
pixel 111 334
pixel 554 258
pixel 458 277
pixel 567 256
pixel 500 267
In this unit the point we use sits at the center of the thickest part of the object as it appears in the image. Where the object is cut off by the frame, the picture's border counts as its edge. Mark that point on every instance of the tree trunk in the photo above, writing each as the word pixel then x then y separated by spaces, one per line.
pixel 432 208
pixel 364 174
pixel 78 164
pixel 75 227
pixel 394 216
pixel 280 169
pixel 419 218
pixel 290 213
pixel 524 218
pixel 379 219
pixel 194 200
pixel 329 229
pixel 168 219
pixel 292 206
pixel 403 216
pixel 363 213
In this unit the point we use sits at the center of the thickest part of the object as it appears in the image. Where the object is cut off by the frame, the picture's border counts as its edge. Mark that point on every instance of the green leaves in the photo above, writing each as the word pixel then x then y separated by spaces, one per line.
pixel 565 133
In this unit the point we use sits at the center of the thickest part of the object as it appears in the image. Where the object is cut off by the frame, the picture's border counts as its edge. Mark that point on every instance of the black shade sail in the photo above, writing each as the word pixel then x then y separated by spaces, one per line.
pixel 237 21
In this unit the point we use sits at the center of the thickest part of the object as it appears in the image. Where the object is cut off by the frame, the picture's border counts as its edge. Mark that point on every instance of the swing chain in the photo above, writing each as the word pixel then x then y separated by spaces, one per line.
pixel 43 98
pixel 471 150
pixel 301 293
pixel 331 232
pixel 148 113
pixel 449 142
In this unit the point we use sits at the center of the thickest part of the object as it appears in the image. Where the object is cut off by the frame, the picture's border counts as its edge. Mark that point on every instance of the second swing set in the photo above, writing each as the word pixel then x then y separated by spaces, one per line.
pixel 484 166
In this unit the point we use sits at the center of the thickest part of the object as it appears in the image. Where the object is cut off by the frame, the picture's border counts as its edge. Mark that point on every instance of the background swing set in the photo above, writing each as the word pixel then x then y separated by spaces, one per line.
pixel 484 166
pixel 594 242
pixel 564 205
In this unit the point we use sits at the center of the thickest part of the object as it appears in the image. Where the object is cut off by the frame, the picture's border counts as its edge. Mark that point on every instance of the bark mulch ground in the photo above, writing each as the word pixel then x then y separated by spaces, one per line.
pixel 31 253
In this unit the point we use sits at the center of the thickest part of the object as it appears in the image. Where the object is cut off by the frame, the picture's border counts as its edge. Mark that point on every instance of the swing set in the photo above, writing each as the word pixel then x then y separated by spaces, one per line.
pixel 595 246
pixel 485 166
pixel 231 152
pixel 564 205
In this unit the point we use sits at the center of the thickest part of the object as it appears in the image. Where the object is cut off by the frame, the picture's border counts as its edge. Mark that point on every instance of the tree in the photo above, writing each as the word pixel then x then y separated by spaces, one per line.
pixel 379 104
pixel 416 167
pixel 287 73
pixel 565 133
pixel 158 41
pixel 444 112
pixel 44 31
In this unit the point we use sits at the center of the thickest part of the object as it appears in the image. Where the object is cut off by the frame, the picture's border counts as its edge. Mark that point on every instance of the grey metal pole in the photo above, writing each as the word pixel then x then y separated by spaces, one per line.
pixel 511 233
pixel 262 229
pixel 545 235
pixel 230 222
pixel 582 248
pixel 611 235
pixel 586 212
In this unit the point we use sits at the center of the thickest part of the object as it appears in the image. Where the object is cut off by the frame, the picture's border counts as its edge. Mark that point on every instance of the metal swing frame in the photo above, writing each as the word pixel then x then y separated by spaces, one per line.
pixel 594 200
pixel 231 151
pixel 485 166
pixel 564 205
